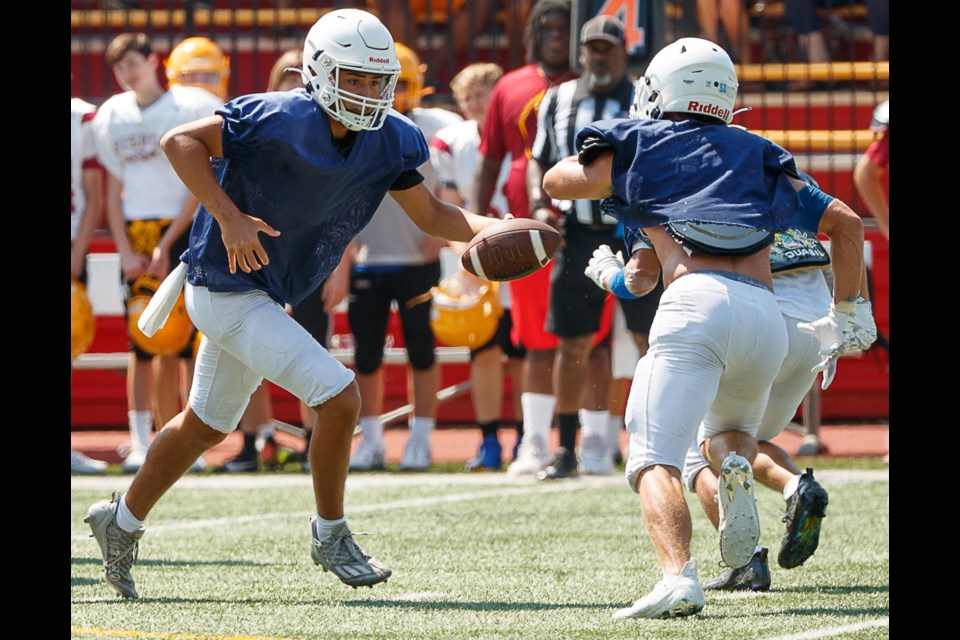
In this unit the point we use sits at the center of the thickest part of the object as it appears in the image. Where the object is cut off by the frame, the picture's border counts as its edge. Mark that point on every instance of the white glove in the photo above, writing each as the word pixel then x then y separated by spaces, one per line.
pixel 603 265
pixel 863 333
pixel 831 330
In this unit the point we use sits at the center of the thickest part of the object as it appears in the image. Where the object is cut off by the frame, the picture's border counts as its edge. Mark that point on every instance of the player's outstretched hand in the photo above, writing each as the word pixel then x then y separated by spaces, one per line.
pixel 603 265
pixel 241 238
pixel 831 331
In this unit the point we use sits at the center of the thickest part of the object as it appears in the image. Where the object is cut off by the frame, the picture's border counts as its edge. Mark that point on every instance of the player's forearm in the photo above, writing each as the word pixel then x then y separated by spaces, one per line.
pixel 846 256
pixel 570 180
pixel 115 220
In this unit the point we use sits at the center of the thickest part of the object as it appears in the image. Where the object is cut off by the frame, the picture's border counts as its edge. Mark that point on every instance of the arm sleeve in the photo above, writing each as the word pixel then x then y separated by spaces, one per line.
pixel 247 127
pixel 108 157
pixel 406 180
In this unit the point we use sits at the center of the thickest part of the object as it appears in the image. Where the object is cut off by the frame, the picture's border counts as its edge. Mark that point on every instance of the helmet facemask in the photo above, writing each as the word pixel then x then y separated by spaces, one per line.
pixel 350 40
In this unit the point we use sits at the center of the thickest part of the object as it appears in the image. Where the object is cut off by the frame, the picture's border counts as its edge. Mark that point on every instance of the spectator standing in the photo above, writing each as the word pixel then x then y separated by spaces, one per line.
pixel 454 152
pixel 397 262
pixel 734 16
pixel 148 210
pixel 576 306
pixel 871 174
pixel 507 137
pixel 86 212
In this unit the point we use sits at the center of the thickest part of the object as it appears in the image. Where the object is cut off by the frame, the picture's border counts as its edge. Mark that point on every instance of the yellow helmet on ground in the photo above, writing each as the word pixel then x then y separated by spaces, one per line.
pixel 410 87
pixel 174 336
pixel 199 62
pixel 465 310
pixel 83 325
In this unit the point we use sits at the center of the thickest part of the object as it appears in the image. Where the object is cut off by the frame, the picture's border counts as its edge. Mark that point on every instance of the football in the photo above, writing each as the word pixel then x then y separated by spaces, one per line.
pixel 511 249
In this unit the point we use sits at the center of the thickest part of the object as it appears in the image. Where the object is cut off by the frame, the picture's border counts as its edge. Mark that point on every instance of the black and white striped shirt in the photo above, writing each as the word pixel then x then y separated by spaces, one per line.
pixel 566 108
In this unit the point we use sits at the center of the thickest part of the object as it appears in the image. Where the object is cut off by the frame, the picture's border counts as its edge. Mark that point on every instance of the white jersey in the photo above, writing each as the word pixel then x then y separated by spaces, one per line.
pixel 454 153
pixel 803 296
pixel 83 152
pixel 392 238
pixel 128 145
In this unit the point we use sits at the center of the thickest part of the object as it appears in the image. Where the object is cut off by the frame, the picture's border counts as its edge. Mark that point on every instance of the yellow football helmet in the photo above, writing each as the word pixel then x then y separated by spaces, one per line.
pixel 410 87
pixel 174 336
pixel 83 325
pixel 199 62
pixel 465 310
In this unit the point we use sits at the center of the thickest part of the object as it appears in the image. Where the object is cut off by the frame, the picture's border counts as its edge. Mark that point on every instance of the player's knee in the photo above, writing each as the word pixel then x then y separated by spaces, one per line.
pixel 341 409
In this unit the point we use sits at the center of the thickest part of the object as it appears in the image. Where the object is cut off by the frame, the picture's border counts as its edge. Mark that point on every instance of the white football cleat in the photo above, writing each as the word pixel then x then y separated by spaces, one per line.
pixel 595 458
pixel 532 456
pixel 672 597
pixel 739 522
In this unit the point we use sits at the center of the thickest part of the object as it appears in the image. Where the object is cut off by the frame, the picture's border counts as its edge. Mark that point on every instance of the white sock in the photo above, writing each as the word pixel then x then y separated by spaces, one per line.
pixel 421 426
pixel 791 488
pixel 126 520
pixel 594 423
pixel 372 428
pixel 323 528
pixel 614 427
pixel 264 431
pixel 537 413
pixel 141 426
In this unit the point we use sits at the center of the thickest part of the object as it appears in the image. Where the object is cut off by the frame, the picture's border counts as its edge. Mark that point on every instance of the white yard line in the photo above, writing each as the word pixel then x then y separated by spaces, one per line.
pixel 527 487
pixel 508 486
pixel 834 631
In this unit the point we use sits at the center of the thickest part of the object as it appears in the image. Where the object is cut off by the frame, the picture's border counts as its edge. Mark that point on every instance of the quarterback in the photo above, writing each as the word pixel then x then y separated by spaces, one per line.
pixel 296 176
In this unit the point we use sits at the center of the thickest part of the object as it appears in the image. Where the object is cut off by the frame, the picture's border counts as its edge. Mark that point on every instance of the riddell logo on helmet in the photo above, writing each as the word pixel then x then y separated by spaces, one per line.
pixel 380 60
pixel 709 109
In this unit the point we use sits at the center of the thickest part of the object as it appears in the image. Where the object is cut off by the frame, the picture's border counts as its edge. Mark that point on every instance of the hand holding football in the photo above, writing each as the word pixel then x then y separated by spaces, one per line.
pixel 511 249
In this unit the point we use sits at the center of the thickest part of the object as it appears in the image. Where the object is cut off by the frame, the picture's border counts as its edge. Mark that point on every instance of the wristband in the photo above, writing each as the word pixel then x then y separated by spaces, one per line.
pixel 619 288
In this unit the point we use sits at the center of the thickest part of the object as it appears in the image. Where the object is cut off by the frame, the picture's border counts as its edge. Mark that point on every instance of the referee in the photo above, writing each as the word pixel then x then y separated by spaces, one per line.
pixel 603 91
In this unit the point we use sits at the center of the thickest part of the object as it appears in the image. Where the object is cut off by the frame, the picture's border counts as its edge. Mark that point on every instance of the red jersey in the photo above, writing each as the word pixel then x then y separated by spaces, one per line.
pixel 511 126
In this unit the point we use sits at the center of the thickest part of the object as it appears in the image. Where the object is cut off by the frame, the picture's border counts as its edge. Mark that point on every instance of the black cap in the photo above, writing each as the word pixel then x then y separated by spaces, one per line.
pixel 602 27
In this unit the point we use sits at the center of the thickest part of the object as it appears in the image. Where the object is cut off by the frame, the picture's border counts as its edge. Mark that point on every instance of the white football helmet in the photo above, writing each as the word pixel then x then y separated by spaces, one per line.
pixel 350 40
pixel 881 117
pixel 690 75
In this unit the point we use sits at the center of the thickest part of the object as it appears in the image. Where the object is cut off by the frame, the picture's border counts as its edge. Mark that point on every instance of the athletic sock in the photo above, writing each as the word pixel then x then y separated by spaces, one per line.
pixel 323 528
pixel 141 426
pixel 491 428
pixel 595 423
pixel 791 487
pixel 537 414
pixel 568 424
pixel 126 520
pixel 372 429
pixel 421 426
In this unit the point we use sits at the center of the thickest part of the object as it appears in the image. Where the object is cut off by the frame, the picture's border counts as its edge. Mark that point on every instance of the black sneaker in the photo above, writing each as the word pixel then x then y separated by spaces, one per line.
pixel 243 462
pixel 563 465
pixel 805 510
pixel 754 576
